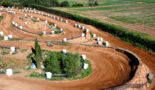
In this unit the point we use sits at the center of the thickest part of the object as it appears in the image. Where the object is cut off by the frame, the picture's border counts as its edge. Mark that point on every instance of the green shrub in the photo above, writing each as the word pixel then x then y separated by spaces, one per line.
pixel 38 75
pixel 4 53
pixel 1 17
pixel 64 4
pixel 77 5
pixel 117 31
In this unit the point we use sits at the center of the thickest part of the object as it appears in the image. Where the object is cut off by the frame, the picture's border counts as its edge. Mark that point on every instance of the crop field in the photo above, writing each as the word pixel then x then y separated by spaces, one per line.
pixel 137 16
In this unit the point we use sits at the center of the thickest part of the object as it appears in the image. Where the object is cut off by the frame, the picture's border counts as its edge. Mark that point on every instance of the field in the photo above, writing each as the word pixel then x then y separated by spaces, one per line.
pixel 115 63
pixel 136 16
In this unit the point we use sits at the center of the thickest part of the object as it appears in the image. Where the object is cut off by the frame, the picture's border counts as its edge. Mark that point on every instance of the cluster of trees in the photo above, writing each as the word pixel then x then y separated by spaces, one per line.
pixel 58 63
pixel 48 3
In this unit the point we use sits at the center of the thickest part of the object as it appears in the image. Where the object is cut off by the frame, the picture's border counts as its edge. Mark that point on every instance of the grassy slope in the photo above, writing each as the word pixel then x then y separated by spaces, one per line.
pixel 1 17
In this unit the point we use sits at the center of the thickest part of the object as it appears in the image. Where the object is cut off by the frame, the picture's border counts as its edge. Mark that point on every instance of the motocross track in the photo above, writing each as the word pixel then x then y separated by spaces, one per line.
pixel 110 68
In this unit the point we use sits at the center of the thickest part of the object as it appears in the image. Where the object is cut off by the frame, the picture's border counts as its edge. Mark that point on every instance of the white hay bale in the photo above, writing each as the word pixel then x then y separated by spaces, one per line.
pixel 13 22
pixel 20 27
pixel 12 49
pixel 94 35
pixel 55 25
pixel 99 43
pixel 61 30
pixel 42 66
pixel 10 36
pixel 75 25
pixel 16 25
pixel 83 35
pixel 100 39
pixel 25 15
pixel 61 20
pixel 106 43
pixel 52 32
pixel 0 14
pixel 66 21
pixel 44 32
pixel 31 16
pixel 85 66
pixel 9 72
pixel 79 26
pixel 48 75
pixel 25 23
pixel 38 19
pixel 87 30
pixel 83 56
pixel 64 51
pixel 33 66
pixel 46 21
pixel 83 28
pixel 1 33
pixel 5 37
pixel 64 40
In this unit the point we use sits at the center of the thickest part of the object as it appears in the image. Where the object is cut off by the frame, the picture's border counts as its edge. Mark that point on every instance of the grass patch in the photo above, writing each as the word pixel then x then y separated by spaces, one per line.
pixel 23 50
pixel 34 20
pixel 1 17
pixel 16 72
pixel 63 44
pixel 14 53
pixel 4 53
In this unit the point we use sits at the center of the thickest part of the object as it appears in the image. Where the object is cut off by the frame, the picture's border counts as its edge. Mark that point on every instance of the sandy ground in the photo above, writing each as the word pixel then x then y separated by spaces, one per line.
pixel 110 68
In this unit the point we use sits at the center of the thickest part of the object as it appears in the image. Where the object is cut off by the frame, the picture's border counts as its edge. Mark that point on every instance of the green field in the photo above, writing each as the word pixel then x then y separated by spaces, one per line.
pixel 131 12
pixel 1 17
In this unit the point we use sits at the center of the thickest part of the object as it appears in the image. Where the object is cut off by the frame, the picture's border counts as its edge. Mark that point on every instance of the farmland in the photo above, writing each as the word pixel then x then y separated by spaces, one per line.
pixel 136 16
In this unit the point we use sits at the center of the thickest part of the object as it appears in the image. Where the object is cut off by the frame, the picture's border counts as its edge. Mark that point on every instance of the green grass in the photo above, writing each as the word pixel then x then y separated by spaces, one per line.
pixel 14 53
pixel 34 20
pixel 124 19
pixel 83 74
pixel 144 1
pixel 1 17
pixel 16 72
pixel 63 44
pixel 4 53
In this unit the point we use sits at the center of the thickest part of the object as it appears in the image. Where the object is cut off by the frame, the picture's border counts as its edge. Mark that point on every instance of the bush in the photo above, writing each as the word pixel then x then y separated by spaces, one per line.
pixel 118 31
pixel 7 3
pixel 77 5
pixel 64 4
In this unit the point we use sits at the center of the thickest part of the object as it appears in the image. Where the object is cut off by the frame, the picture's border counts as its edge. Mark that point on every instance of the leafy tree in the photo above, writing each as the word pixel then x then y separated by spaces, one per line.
pixel 64 4
pixel 38 53
pixel 52 64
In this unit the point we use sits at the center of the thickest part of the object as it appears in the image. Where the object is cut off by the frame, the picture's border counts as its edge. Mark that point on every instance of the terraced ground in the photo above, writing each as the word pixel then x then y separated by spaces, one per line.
pixel 110 68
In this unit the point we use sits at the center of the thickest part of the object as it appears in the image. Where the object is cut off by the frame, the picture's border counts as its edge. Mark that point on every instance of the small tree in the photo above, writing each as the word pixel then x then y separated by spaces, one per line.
pixel 38 53
pixel 64 4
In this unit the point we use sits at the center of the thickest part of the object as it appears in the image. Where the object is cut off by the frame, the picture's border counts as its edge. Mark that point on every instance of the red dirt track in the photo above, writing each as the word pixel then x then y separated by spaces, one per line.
pixel 110 68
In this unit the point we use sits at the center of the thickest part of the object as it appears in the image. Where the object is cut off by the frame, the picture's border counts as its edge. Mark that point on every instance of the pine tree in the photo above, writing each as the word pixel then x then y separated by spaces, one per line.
pixel 38 53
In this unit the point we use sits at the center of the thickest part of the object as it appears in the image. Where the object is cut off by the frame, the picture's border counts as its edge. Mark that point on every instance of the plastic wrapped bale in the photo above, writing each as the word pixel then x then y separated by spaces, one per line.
pixel 52 32
pixel 66 21
pixel 75 25
pixel 101 39
pixel 150 76
pixel 9 72
pixel 49 44
pixel 61 30
pixel 1 33
pixel 94 35
pixel 85 66
pixel 79 26
pixel 99 43
pixel 31 16
pixel 64 51
pixel 5 37
pixel 33 66
pixel 20 27
pixel 82 35
pixel 42 66
pixel 0 14
pixel 16 25
pixel 83 28
pixel 61 20
pixel 13 22
pixel 44 32
pixel 64 40
pixel 48 75
pixel 46 21
pixel 10 36
pixel 38 19
pixel 87 30
pixel 83 57
pixel 55 25
pixel 25 23
pixel 12 49
pixel 106 43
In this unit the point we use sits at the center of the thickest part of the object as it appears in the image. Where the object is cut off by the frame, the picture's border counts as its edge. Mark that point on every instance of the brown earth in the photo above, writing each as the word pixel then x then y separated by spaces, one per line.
pixel 110 68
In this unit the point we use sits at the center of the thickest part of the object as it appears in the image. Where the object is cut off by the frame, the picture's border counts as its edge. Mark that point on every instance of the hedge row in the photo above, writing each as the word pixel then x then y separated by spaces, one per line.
pixel 138 39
